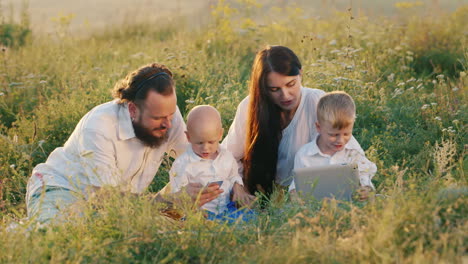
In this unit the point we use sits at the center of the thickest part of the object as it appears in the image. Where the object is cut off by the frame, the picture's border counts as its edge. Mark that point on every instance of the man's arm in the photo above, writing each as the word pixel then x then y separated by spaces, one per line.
pixel 98 159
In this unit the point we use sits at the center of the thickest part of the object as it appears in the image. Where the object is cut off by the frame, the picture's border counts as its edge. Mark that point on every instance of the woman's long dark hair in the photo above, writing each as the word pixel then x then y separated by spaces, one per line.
pixel 264 121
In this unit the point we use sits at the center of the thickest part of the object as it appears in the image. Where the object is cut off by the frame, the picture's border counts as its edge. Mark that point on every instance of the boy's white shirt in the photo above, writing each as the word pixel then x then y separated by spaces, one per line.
pixel 190 168
pixel 311 156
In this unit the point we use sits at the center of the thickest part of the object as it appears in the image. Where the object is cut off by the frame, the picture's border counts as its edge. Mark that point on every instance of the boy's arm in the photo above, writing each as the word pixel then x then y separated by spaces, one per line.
pixel 234 176
pixel 367 168
pixel 239 193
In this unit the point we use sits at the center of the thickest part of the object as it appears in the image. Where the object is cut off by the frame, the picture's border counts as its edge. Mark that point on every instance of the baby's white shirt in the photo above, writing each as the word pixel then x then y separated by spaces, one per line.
pixel 190 168
pixel 310 155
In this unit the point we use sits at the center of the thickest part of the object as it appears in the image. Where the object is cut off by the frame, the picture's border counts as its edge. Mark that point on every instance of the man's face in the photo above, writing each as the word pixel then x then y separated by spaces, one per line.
pixel 153 118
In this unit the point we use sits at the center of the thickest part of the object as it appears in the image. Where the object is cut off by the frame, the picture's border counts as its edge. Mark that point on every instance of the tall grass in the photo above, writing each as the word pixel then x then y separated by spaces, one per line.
pixel 408 78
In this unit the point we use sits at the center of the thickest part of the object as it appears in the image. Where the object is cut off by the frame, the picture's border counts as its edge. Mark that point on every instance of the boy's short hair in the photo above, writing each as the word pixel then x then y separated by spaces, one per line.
pixel 337 108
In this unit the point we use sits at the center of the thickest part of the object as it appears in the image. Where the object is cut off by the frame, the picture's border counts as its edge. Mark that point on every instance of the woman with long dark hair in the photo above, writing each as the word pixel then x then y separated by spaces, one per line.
pixel 272 123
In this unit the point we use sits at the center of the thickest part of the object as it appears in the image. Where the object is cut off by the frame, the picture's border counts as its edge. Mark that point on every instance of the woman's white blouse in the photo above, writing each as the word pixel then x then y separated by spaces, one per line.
pixel 299 132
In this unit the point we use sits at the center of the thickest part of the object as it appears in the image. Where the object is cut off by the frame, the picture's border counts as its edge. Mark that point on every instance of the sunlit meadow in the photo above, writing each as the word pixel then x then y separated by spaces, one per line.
pixel 407 71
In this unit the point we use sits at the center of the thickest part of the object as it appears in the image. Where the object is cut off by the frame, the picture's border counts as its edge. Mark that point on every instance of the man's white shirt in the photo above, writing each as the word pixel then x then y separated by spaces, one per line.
pixel 190 168
pixel 103 150
pixel 311 156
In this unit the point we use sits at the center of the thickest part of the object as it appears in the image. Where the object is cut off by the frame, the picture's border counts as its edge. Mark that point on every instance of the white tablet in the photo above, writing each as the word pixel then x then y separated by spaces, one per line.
pixel 337 181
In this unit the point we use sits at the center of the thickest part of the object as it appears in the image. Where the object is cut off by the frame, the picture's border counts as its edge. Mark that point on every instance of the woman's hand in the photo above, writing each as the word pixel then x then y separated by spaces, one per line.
pixel 241 196
pixel 203 195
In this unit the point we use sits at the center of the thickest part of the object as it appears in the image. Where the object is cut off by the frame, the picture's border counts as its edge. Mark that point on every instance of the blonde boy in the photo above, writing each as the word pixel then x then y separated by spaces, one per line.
pixel 335 143
pixel 205 161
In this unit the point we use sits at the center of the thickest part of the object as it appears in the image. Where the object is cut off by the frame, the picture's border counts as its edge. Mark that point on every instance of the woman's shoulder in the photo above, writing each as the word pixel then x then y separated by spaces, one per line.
pixel 312 93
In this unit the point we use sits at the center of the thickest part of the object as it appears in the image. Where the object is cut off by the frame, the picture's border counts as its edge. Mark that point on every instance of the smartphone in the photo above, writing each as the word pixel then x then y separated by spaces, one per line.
pixel 217 182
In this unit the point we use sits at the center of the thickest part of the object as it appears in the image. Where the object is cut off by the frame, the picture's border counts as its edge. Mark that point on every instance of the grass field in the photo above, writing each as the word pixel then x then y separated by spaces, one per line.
pixel 407 72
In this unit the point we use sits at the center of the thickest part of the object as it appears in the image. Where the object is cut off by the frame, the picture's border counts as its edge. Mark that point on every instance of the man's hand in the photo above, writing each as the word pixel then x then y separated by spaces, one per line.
pixel 201 194
pixel 241 196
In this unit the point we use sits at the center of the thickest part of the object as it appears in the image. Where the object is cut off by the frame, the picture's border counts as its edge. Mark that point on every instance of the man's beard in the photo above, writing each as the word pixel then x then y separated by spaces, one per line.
pixel 144 134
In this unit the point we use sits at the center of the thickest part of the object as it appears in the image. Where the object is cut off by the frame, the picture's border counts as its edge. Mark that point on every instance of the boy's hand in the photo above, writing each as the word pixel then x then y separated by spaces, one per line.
pixel 363 193
pixel 241 196
pixel 295 197
pixel 203 194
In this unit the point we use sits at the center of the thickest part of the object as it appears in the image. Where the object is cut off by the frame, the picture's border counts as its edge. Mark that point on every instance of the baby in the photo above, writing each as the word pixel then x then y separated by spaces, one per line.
pixel 205 161
pixel 335 143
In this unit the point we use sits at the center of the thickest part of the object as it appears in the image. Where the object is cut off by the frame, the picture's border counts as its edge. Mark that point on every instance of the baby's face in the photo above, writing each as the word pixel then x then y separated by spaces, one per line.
pixel 331 139
pixel 204 139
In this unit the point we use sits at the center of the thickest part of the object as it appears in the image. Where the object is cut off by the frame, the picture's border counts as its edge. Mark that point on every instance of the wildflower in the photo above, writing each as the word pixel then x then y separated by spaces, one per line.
pixel 208 97
pixel 391 77
pixel 455 121
pixel 462 74
pixel 440 76
pixel 349 67
pixel 438 118
pixel 332 43
pixel 434 81
pixel 398 48
pixel 424 107
pixel 409 53
pixel 401 84
pixel 97 68
pixel 419 86
pixel 409 58
pixel 397 92
pixel 189 101
pixel 404 68
pixel 412 79
pixel 2 94
pixel 15 138
pixel 42 82
pixel 13 166
pixel 411 88
pixel 455 89
pixel 433 104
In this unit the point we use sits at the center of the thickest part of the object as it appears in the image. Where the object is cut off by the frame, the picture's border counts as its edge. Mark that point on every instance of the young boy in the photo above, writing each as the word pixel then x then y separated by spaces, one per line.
pixel 206 162
pixel 335 143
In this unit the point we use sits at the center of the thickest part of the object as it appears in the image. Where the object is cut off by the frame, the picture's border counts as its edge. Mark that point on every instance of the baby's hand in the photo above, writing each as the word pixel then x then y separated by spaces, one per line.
pixel 241 196
pixel 363 193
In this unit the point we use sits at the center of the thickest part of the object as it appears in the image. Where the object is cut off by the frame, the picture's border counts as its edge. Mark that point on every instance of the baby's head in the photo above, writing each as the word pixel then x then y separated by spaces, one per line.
pixel 204 131
pixel 336 113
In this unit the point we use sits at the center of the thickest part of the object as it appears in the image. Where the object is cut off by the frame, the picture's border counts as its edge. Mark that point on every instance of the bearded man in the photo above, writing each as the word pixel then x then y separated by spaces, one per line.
pixel 120 144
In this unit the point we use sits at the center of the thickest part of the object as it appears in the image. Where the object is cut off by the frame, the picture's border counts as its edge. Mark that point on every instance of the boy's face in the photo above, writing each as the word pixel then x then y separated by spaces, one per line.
pixel 204 139
pixel 332 140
